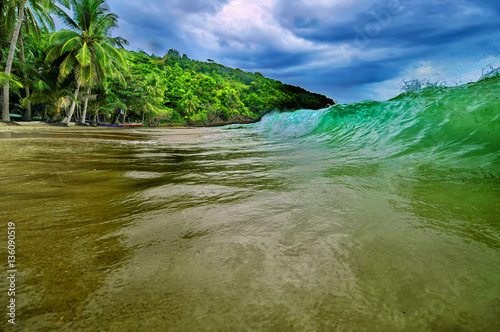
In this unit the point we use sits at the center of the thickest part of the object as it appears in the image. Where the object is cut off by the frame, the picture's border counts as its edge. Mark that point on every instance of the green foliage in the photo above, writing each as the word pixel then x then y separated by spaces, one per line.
pixel 13 81
pixel 202 93
pixel 87 49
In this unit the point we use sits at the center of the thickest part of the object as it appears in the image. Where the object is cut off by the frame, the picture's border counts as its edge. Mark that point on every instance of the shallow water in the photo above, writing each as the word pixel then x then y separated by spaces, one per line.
pixel 376 216
pixel 241 230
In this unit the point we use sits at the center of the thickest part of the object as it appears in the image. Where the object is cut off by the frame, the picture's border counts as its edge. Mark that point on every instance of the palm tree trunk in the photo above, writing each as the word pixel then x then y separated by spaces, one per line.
pixel 118 113
pixel 85 104
pixel 10 59
pixel 27 114
pixel 57 114
pixel 67 118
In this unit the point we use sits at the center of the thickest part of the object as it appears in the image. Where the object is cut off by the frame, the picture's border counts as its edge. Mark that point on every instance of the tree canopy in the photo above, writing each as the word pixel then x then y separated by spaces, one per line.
pixel 181 90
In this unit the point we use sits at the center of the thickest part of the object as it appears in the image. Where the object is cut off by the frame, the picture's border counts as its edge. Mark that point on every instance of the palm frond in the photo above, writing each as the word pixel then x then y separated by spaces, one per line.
pixel 38 13
pixel 101 55
pixel 52 54
pixel 65 3
pixel 66 66
pixel 41 85
pixel 61 37
pixel 14 81
pixel 83 56
pixel 71 44
pixel 115 55
pixel 70 23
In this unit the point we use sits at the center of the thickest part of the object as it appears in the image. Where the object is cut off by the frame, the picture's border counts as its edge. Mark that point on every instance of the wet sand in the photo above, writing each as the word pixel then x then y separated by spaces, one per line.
pixel 167 134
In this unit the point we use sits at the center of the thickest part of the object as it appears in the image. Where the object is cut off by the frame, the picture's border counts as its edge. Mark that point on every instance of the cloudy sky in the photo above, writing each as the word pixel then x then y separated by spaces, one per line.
pixel 349 50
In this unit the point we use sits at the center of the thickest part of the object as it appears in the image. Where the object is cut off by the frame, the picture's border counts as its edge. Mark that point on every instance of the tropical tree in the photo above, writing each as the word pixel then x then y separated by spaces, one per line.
pixel 10 60
pixel 54 98
pixel 8 78
pixel 36 9
pixel 190 103
pixel 7 24
pixel 37 20
pixel 13 82
pixel 154 97
pixel 105 101
pixel 87 50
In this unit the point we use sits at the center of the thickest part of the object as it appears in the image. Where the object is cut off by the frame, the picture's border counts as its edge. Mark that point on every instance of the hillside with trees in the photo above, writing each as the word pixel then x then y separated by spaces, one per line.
pixel 83 74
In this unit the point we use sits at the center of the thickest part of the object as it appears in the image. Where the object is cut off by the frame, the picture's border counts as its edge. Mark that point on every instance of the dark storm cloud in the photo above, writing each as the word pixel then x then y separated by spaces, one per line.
pixel 349 80
pixel 156 26
pixel 340 48
pixel 200 6
pixel 155 46
pixel 260 51
pixel 412 30
pixel 269 57
pixel 400 23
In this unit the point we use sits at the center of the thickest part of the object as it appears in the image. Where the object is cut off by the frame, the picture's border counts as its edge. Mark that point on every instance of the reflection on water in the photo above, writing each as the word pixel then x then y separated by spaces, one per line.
pixel 238 231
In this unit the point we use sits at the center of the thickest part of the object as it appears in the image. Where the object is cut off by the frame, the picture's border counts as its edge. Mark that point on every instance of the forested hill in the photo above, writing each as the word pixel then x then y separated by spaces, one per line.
pixel 175 89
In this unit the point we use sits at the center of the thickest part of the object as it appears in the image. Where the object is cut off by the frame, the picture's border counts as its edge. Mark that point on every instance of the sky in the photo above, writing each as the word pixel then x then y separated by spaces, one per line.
pixel 348 50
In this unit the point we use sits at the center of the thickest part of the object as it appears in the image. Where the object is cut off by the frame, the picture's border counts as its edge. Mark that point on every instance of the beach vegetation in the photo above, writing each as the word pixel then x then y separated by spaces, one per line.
pixel 82 73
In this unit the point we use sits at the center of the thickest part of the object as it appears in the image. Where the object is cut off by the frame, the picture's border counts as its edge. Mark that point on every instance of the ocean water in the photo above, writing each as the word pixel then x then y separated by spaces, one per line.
pixel 374 216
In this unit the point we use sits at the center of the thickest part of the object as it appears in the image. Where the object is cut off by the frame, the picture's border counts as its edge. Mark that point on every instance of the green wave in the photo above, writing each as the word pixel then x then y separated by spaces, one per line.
pixel 448 126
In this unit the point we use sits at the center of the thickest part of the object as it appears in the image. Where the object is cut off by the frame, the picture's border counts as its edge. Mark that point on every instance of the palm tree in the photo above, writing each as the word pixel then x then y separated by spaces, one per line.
pixel 54 98
pixel 37 18
pixel 10 60
pixel 4 78
pixel 190 103
pixel 106 101
pixel 41 6
pixel 7 23
pixel 87 51
pixel 154 96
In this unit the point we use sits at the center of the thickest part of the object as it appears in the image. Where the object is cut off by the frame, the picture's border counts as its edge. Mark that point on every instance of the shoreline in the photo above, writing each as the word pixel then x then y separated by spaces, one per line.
pixel 72 125
pixel 177 134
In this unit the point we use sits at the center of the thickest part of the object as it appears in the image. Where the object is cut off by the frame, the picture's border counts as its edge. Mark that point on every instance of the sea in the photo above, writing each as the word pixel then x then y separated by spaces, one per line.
pixel 371 216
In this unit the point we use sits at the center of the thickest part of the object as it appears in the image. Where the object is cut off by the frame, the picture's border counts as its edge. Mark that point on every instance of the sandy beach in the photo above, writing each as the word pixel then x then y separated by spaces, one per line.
pixel 42 129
